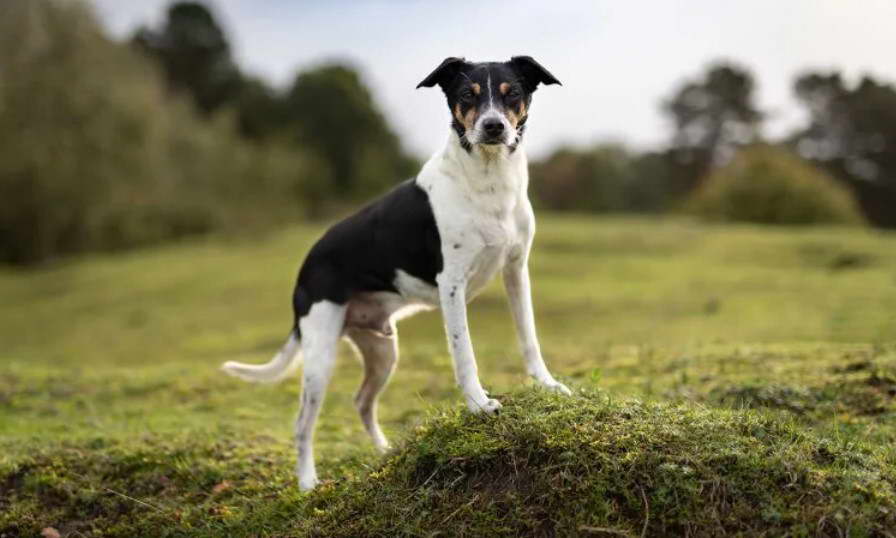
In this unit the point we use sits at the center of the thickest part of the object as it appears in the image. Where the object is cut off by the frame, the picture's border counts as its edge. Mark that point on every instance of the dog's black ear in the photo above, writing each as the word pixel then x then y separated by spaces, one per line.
pixel 533 72
pixel 444 73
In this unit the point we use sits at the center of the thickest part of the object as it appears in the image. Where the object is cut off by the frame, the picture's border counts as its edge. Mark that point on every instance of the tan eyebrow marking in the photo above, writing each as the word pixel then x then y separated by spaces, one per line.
pixel 476 88
pixel 504 88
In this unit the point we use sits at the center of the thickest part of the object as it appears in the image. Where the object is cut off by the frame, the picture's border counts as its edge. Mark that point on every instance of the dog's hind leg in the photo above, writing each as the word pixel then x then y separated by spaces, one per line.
pixel 379 353
pixel 321 329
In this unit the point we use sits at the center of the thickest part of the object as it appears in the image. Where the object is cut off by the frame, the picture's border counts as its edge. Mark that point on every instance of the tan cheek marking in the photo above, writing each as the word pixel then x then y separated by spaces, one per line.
pixel 512 118
pixel 523 112
pixel 457 115
pixel 476 88
pixel 470 119
pixel 504 88
pixel 515 116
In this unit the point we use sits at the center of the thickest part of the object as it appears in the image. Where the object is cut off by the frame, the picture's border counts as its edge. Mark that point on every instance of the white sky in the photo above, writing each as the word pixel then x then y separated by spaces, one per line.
pixel 617 59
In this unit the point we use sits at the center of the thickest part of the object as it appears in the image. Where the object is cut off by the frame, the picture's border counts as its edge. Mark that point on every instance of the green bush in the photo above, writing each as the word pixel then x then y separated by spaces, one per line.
pixel 770 185
pixel 96 154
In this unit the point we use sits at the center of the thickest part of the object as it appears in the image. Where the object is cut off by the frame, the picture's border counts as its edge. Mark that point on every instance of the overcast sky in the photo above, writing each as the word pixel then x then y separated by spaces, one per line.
pixel 616 59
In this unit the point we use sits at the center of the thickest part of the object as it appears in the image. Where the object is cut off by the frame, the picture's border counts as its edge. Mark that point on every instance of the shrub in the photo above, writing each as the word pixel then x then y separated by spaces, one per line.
pixel 769 185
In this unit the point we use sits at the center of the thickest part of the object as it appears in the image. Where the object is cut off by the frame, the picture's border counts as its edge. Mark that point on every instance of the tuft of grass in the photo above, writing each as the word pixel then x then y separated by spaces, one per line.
pixel 869 395
pixel 550 465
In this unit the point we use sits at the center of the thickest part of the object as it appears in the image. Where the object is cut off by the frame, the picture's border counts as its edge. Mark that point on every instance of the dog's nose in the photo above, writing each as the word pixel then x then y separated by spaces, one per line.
pixel 493 127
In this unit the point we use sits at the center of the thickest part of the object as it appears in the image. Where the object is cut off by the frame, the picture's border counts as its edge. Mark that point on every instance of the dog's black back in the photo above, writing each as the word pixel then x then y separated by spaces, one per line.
pixel 363 252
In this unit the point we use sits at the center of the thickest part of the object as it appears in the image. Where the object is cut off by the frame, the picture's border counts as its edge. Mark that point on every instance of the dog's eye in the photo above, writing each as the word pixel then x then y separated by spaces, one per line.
pixel 466 94
pixel 513 94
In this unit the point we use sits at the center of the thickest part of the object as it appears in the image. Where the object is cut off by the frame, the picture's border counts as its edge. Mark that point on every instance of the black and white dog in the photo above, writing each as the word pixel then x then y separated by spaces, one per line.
pixel 433 241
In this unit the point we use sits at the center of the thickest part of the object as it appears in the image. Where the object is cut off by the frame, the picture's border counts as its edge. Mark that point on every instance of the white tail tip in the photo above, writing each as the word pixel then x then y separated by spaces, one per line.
pixel 279 367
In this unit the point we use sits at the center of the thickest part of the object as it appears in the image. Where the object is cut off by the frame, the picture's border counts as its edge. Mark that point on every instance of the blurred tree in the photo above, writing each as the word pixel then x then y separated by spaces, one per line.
pixel 260 110
pixel 852 133
pixel 650 187
pixel 604 178
pixel 711 117
pixel 195 54
pixel 331 112
pixel 590 180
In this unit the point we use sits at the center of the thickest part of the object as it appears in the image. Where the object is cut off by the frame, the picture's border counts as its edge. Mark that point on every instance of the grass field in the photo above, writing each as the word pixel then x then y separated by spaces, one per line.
pixel 114 419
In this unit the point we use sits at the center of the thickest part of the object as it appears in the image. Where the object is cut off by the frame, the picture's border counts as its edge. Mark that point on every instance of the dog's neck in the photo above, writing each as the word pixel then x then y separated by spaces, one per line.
pixel 487 168
pixel 492 180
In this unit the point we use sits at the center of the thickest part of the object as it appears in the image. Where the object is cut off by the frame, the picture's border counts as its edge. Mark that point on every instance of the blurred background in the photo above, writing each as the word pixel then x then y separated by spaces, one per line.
pixel 129 123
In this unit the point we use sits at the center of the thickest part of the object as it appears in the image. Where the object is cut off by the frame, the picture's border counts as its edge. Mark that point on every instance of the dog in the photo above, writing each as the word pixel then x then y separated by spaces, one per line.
pixel 433 241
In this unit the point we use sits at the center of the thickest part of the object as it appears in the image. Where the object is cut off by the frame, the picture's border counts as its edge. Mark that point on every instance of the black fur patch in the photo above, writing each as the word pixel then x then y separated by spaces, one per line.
pixel 363 252
pixel 461 130
pixel 520 131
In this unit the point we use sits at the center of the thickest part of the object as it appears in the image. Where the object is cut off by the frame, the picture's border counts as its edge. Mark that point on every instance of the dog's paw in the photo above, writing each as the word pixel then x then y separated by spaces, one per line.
pixel 557 386
pixel 307 484
pixel 489 406
pixel 307 479
pixel 382 445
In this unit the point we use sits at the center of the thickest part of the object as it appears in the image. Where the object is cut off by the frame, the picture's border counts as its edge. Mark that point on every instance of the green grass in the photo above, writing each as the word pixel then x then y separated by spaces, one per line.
pixel 115 420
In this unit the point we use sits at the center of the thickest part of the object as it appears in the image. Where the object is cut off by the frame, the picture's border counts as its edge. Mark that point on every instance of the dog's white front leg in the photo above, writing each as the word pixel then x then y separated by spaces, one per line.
pixel 519 294
pixel 452 296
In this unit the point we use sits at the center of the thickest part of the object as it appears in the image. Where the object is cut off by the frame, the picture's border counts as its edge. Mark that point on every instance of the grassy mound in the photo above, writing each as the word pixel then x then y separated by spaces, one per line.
pixel 554 466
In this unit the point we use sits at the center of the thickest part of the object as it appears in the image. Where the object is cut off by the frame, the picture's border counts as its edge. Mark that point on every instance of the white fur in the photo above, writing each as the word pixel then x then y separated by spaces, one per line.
pixel 284 362
pixel 412 289
pixel 321 329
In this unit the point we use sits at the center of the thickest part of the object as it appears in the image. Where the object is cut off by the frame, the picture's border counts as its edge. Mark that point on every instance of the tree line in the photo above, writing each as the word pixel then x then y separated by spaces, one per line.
pixel 108 145
pixel 847 150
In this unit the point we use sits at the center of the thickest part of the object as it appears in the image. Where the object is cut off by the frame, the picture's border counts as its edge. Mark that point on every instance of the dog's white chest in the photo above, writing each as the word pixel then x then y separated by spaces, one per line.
pixel 492 241
pixel 481 212
pixel 478 232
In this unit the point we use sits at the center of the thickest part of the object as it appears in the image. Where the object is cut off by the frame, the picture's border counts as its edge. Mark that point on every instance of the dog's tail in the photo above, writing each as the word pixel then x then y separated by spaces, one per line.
pixel 285 361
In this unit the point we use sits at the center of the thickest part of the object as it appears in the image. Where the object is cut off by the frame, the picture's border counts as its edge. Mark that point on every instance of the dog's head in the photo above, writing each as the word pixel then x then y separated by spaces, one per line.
pixel 489 101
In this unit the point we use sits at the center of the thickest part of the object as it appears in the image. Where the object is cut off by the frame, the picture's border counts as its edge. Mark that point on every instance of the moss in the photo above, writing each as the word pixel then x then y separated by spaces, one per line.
pixel 554 466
